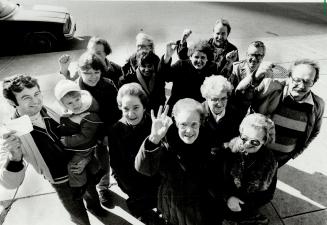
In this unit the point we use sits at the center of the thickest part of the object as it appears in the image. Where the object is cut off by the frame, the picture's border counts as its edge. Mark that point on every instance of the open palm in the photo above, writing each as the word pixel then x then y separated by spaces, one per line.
pixel 161 123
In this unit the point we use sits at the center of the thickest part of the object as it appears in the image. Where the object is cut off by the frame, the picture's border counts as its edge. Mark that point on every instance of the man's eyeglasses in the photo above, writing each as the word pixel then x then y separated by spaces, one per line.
pixel 257 56
pixel 307 83
pixel 253 142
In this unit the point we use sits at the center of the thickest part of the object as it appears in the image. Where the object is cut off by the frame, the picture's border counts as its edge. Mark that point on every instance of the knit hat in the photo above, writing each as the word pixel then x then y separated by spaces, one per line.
pixel 63 87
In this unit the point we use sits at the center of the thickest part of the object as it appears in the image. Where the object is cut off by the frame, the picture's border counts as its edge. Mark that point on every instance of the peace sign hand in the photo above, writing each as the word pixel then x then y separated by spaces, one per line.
pixel 160 125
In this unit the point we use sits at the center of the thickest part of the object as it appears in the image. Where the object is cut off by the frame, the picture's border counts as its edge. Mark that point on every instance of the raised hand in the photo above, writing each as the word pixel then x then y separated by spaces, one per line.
pixel 12 144
pixel 234 204
pixel 160 125
pixel 64 62
pixel 170 49
pixel 186 33
pixel 264 71
pixel 231 56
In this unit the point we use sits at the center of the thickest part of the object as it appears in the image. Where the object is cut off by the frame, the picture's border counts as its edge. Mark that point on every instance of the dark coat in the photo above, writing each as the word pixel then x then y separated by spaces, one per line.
pixel 83 135
pixel 131 64
pixel 125 142
pixel 113 72
pixel 105 94
pixel 226 128
pixel 186 79
pixel 183 197
pixel 155 91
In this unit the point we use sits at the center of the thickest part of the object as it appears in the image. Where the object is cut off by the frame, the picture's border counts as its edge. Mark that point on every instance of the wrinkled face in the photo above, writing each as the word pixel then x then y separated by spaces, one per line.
pixel 132 109
pixel 72 103
pixel 254 57
pixel 90 77
pixel 252 138
pixel 217 102
pixel 301 81
pixel 147 69
pixel 219 35
pixel 30 101
pixel 199 60
pixel 188 124
pixel 98 49
pixel 143 45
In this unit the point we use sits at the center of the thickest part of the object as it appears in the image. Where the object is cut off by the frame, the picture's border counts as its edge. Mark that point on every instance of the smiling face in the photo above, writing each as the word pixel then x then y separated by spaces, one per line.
pixel 220 35
pixel 254 57
pixel 301 81
pixel 29 101
pixel 90 77
pixel 72 102
pixel 147 70
pixel 217 102
pixel 132 109
pixel 253 139
pixel 188 124
pixel 199 60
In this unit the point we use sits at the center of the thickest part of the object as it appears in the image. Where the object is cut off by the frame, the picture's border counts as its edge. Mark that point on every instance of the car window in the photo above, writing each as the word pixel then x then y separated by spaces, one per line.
pixel 7 8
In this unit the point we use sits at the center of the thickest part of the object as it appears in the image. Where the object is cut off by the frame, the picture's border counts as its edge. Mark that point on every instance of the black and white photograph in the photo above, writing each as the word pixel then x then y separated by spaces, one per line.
pixel 163 112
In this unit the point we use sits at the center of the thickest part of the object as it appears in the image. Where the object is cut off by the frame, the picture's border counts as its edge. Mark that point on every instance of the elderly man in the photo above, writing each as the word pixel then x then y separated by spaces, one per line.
pixel 296 111
pixel 42 149
pixel 225 53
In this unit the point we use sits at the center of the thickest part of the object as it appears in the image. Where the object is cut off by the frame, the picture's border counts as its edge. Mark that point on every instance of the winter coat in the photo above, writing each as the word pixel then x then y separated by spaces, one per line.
pixel 155 89
pixel 126 141
pixel 226 128
pixel 183 197
pixel 105 93
pixel 186 79
pixel 82 135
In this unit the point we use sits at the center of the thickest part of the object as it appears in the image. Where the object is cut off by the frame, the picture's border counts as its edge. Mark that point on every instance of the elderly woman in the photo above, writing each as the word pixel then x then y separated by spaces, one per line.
pixel 179 153
pixel 187 75
pixel 126 138
pixel 222 118
pixel 250 171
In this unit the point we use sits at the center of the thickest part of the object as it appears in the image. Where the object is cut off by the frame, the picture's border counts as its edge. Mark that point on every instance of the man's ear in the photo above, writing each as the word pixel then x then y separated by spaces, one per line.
pixel 12 103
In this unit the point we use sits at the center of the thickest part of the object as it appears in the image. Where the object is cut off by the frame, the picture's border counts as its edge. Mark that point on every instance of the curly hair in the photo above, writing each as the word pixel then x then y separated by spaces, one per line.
pixel 89 60
pixel 100 41
pixel 215 84
pixel 201 46
pixel 145 57
pixel 259 121
pixel 132 89
pixel 17 83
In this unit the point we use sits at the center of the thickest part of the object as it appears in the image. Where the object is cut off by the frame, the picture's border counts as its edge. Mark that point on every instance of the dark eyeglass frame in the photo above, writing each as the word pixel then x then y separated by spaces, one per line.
pixel 307 83
pixel 253 142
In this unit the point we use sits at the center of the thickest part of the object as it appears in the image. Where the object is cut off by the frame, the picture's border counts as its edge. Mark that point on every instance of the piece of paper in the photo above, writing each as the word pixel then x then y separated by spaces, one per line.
pixel 21 125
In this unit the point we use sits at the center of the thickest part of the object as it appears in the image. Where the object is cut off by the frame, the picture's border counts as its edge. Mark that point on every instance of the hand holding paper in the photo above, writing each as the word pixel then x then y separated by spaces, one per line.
pixel 21 126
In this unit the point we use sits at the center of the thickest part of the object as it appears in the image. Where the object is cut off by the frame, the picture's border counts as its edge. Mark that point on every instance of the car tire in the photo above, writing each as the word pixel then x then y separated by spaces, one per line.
pixel 39 42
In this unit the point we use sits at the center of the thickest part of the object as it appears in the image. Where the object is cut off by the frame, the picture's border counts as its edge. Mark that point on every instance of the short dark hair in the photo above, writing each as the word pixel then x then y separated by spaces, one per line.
pixel 202 46
pixel 89 60
pixel 100 41
pixel 310 62
pixel 225 23
pixel 17 83
pixel 258 44
pixel 146 57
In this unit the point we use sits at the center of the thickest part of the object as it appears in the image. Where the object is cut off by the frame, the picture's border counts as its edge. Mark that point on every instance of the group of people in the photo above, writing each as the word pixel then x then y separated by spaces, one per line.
pixel 210 152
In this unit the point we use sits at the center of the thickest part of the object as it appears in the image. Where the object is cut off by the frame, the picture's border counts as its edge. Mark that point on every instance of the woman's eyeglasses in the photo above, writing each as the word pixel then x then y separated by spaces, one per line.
pixel 253 142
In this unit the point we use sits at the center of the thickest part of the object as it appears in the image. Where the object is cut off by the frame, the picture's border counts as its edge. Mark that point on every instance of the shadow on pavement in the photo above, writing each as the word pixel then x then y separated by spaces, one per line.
pixel 299 192
pixel 12 48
